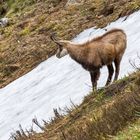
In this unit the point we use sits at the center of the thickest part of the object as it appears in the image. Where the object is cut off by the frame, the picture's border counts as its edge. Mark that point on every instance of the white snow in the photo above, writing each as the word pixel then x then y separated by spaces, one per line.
pixel 55 82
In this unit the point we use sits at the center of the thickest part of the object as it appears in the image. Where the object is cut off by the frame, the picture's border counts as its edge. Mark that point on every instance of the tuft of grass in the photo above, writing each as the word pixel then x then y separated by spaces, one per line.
pixel 25 31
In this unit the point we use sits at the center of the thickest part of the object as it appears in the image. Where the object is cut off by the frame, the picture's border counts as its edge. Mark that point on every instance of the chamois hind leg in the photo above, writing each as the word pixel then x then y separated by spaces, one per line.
pixel 94 78
pixel 110 71
pixel 117 70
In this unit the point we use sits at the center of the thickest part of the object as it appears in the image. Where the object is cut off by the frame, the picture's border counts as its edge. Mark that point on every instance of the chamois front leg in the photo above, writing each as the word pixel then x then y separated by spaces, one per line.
pixel 110 71
pixel 94 78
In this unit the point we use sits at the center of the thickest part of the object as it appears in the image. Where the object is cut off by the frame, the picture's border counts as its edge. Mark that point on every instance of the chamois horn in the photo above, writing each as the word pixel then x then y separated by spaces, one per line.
pixel 52 37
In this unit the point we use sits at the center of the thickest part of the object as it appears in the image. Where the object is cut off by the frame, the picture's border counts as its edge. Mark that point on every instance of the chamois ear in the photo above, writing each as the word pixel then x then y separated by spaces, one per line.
pixel 64 42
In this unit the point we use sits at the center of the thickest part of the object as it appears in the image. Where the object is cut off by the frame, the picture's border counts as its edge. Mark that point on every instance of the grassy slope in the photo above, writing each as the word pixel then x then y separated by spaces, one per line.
pixel 132 132
pixel 100 116
pixel 25 42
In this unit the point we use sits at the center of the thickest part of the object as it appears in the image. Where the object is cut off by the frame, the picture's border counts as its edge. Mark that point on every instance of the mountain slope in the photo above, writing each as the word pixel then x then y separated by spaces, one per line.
pixel 25 42
pixel 55 83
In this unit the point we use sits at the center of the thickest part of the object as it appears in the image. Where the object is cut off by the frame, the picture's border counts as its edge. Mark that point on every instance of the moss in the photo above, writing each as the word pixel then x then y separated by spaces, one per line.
pixel 25 31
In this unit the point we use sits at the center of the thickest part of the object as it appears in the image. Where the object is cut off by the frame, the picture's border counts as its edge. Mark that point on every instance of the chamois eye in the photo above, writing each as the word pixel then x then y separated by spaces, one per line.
pixel 60 47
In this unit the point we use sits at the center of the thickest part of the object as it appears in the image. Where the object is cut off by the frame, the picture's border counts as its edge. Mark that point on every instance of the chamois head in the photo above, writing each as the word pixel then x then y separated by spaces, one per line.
pixel 61 47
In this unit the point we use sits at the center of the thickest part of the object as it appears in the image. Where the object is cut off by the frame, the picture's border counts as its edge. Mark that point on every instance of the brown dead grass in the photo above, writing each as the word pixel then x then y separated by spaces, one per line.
pixel 25 42
pixel 100 116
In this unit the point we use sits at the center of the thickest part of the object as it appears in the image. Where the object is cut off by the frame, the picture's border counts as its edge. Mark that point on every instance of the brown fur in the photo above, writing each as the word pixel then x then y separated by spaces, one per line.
pixel 98 52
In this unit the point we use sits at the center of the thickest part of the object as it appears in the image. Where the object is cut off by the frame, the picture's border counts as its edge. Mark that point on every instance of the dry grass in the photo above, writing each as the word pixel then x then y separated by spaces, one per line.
pixel 25 42
pixel 100 116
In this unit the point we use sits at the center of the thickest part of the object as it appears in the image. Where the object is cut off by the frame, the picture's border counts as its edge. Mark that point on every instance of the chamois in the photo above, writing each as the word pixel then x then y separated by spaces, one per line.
pixel 100 51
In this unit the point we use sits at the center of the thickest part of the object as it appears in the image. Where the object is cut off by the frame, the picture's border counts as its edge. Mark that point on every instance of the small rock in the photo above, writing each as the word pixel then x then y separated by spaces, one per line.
pixel 4 22
pixel 72 2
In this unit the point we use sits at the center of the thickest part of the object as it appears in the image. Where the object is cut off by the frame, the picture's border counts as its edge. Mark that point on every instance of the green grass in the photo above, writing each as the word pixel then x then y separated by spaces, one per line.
pixel 132 132
pixel 25 31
